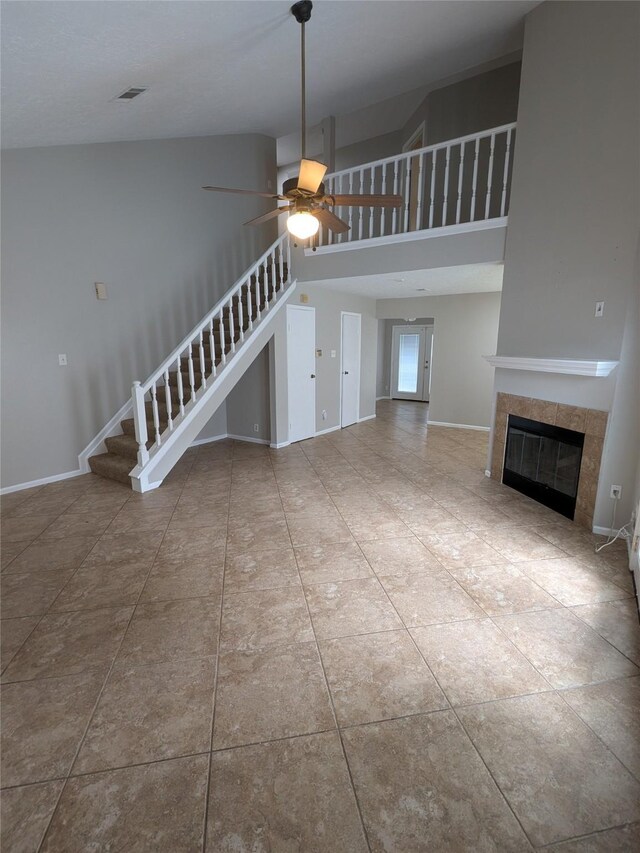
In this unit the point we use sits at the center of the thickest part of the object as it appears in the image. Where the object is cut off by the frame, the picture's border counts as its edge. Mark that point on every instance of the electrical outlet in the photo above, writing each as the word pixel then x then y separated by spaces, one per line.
pixel 616 492
pixel 599 309
pixel 256 428
pixel 62 359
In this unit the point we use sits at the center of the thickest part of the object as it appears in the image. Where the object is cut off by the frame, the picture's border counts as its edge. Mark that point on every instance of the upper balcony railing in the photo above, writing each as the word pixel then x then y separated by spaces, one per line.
pixel 463 182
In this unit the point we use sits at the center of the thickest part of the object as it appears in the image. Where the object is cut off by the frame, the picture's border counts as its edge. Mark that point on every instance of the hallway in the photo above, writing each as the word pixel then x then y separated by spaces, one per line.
pixel 358 642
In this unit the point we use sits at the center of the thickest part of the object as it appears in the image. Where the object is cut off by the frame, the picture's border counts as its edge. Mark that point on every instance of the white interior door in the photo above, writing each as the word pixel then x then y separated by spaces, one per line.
pixel 350 369
pixel 301 371
pixel 410 363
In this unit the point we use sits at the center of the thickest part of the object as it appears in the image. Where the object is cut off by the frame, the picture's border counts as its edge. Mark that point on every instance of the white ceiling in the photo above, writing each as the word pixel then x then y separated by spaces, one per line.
pixel 471 278
pixel 226 67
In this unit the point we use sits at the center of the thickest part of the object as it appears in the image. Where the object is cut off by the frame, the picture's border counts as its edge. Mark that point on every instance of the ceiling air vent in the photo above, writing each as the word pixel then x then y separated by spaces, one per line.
pixel 130 94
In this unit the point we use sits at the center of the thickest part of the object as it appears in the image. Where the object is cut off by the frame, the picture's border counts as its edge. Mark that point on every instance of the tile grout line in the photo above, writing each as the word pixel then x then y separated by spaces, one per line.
pixel 95 706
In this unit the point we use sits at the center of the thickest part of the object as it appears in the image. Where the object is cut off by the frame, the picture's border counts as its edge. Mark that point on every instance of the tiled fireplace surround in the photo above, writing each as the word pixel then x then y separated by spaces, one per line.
pixel 591 422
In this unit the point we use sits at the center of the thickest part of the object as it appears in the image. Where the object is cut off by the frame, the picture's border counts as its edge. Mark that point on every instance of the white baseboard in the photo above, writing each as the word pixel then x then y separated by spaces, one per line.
pixel 213 438
pixel 96 445
pixel 386 397
pixel 487 473
pixel 606 531
pixel 280 445
pixel 248 439
pixel 7 490
pixel 458 426
pixel 366 418
pixel 329 429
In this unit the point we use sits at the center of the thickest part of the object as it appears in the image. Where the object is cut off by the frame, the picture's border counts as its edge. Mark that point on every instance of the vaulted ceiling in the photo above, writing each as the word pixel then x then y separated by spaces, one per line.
pixel 226 67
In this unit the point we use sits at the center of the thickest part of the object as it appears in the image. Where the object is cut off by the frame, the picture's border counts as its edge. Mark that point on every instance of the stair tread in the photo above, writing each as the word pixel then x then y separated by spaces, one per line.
pixel 112 466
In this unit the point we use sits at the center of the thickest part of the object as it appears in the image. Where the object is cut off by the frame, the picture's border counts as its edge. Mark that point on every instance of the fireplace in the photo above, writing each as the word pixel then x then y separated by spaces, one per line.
pixel 543 461
pixel 590 423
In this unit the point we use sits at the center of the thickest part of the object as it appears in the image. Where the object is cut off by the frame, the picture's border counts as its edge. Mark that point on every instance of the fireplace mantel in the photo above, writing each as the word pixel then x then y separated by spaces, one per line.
pixel 569 366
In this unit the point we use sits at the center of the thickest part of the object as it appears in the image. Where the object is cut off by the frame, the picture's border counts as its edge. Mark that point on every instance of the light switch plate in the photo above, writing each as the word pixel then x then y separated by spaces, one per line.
pixel 101 290
pixel 62 359
pixel 333 353
pixel 599 309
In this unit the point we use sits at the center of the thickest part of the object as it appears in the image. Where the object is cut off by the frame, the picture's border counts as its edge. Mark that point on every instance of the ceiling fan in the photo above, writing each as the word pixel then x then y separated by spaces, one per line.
pixel 308 203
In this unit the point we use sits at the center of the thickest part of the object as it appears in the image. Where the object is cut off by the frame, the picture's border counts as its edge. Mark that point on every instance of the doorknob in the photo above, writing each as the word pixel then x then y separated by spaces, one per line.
pixel 346 372
pixel 426 365
pixel 313 376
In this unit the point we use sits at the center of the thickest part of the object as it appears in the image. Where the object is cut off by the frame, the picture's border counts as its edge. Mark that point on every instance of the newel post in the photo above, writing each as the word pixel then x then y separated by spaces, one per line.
pixel 140 422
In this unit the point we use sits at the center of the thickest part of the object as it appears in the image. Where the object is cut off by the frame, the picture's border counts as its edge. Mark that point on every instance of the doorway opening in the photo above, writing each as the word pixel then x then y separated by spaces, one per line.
pixel 301 371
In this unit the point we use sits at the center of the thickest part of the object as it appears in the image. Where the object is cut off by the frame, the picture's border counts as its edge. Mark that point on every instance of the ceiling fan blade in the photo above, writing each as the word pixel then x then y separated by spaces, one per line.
pixel 272 213
pixel 330 220
pixel 242 192
pixel 311 175
pixel 364 200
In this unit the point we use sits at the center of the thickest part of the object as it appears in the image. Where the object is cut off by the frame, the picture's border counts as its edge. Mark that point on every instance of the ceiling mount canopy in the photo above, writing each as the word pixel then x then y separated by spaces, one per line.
pixel 308 204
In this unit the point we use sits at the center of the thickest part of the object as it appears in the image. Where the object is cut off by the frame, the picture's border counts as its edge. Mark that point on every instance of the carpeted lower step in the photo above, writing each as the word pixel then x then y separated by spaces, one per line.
pixel 123 445
pixel 112 466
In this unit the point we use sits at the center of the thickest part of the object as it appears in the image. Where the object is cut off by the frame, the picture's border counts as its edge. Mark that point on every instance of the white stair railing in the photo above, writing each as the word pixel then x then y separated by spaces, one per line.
pixel 179 382
pixel 457 182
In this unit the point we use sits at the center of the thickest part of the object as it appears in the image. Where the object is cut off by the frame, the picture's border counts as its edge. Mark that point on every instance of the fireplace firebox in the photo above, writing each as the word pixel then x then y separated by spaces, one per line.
pixel 543 462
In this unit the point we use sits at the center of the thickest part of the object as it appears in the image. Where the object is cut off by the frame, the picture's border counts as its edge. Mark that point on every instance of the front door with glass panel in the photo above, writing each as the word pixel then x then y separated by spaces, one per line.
pixel 410 362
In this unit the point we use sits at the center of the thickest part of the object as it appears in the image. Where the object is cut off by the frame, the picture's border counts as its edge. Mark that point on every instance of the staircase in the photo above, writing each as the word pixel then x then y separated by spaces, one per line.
pixel 177 400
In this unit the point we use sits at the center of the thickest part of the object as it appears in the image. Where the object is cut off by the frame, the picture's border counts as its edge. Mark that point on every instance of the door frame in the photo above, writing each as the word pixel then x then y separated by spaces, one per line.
pixel 359 316
pixel 315 393
pixel 418 133
pixel 419 327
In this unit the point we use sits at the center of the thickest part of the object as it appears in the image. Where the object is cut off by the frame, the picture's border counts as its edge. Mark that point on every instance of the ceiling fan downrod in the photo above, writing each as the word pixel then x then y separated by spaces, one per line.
pixel 301 11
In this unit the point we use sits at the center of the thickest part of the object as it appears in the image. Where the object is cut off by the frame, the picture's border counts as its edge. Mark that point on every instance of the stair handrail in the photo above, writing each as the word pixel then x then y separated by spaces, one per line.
pixel 273 256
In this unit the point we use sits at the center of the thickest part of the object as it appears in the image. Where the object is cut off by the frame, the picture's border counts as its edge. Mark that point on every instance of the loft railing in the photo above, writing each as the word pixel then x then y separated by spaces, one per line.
pixel 458 182
pixel 160 402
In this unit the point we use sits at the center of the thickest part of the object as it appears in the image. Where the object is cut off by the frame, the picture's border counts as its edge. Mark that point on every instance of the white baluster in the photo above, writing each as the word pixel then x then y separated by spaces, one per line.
pixel 505 176
pixel 212 348
pixel 240 315
pixel 432 191
pixel 371 209
pixel 156 414
pixel 140 422
pixel 384 190
pixel 394 217
pixel 192 375
pixel 203 370
pixel 288 258
pixel 420 191
pixel 180 385
pixel 167 400
pixel 460 174
pixel 280 268
pixel 487 203
pixel 361 209
pixel 446 185
pixel 274 274
pixel 265 286
pixel 223 347
pixel 249 305
pixel 407 192
pixel 350 232
pixel 256 284
pixel 474 181
pixel 232 328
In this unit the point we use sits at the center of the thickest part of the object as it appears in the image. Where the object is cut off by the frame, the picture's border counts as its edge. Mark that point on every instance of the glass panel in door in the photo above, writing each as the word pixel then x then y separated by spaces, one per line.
pixel 408 363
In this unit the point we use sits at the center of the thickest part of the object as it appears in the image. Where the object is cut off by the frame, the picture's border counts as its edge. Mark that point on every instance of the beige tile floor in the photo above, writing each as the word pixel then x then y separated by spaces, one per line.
pixel 354 643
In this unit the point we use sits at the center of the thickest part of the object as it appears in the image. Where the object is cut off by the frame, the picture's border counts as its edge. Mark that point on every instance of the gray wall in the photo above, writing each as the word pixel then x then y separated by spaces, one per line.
pixel 478 102
pixel 574 220
pixel 465 328
pixel 131 215
pixel 377 148
pixel 248 404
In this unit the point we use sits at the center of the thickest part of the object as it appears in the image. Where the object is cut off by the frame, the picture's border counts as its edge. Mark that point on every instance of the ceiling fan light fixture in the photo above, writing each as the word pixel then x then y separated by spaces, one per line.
pixel 302 225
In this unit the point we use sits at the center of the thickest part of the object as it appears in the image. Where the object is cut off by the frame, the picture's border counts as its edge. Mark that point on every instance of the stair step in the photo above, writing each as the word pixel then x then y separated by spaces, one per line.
pixel 123 445
pixel 111 466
